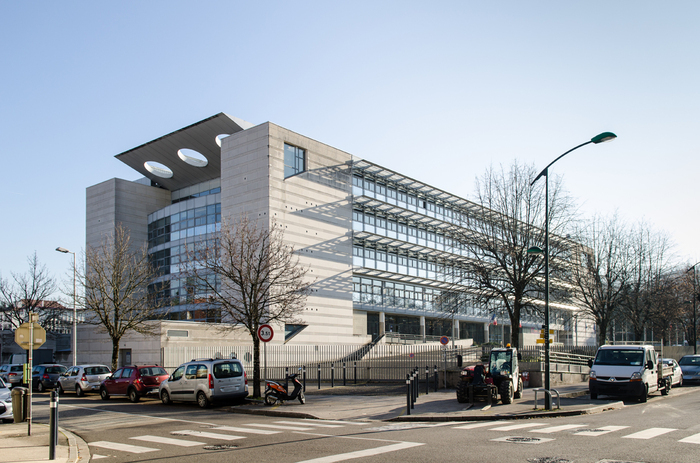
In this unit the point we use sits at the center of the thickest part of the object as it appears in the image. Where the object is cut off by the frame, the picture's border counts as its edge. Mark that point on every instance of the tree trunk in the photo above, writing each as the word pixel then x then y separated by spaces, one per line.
pixel 115 353
pixel 602 332
pixel 256 367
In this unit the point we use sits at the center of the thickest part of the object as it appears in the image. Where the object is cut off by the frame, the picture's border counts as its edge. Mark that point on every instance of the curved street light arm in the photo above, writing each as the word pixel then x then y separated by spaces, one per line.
pixel 544 171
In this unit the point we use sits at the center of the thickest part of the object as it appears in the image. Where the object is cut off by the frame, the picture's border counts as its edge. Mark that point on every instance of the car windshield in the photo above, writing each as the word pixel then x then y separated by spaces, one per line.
pixel 624 357
pixel 690 361
pixel 152 371
pixel 57 369
pixel 501 362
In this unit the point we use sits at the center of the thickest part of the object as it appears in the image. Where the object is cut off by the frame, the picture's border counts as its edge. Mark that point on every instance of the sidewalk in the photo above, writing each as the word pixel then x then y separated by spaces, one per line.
pixel 17 446
pixel 349 403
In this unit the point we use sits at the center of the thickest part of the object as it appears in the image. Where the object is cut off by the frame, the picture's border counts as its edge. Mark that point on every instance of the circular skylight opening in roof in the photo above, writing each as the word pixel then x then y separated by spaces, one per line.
pixel 219 137
pixel 158 169
pixel 192 157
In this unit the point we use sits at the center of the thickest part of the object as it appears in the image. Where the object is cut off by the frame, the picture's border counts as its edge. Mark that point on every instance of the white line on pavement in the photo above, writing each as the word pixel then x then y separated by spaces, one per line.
pixel 122 447
pixel 648 433
pixel 168 441
pixel 599 431
pixel 364 453
pixel 309 423
pixel 563 427
pixel 479 424
pixel 209 435
pixel 694 439
pixel 245 430
pixel 513 427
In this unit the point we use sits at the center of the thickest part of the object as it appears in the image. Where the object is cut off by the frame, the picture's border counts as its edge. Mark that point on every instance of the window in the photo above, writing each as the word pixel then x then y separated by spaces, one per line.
pixel 294 160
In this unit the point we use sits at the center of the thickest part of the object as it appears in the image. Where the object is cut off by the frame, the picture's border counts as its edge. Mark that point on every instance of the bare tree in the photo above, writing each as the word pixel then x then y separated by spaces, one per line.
pixel 649 285
pixel 258 279
pixel 29 292
pixel 115 279
pixel 495 237
pixel 603 273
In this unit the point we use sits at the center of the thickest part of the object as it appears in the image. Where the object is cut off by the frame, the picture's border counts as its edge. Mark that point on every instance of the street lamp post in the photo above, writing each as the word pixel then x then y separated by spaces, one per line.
pixel 603 137
pixel 695 311
pixel 75 315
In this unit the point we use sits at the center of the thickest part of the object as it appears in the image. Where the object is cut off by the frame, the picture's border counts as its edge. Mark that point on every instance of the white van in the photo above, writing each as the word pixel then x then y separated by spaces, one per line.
pixel 630 371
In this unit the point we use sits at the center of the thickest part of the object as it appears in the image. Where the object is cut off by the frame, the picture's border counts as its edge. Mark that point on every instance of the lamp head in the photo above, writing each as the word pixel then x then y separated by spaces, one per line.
pixel 603 137
pixel 535 250
pixel 63 250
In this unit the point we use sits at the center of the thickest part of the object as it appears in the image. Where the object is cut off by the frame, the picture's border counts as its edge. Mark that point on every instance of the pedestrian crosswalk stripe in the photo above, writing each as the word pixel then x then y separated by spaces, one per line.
pixel 364 453
pixel 563 427
pixel 245 430
pixel 513 427
pixel 276 426
pixel 208 435
pixel 168 441
pixel 599 431
pixel 479 424
pixel 353 423
pixel 649 433
pixel 122 447
pixel 694 439
pixel 308 423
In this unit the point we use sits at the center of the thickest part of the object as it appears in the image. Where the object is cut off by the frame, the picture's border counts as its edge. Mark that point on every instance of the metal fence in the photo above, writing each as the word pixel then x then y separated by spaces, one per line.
pixel 359 363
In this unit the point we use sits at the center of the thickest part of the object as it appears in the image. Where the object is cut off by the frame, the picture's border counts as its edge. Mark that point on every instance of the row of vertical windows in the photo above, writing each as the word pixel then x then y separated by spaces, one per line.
pixel 197 195
pixel 193 222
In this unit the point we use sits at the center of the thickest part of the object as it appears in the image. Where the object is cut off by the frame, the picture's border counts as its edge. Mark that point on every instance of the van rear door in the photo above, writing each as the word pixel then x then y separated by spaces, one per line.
pixel 228 379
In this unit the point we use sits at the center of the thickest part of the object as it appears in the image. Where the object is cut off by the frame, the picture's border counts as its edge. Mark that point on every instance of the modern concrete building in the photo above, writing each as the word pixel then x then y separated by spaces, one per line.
pixel 373 239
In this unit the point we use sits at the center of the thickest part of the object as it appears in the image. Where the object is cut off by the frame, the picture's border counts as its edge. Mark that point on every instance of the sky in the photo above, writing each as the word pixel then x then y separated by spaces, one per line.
pixel 439 91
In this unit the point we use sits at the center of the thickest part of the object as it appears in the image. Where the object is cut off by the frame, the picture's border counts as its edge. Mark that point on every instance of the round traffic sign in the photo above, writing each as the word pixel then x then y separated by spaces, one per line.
pixel 265 333
pixel 444 340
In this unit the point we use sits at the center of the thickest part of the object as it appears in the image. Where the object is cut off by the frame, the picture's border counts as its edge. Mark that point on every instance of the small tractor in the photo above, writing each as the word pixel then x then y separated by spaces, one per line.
pixel 502 377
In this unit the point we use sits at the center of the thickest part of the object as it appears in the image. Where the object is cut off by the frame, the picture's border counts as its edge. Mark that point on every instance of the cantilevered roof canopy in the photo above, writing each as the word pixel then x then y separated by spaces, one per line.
pixel 200 137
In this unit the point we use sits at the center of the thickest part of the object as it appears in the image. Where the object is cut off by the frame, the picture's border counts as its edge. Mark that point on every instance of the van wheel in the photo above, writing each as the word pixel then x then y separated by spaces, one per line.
pixel 104 394
pixel 79 392
pixel 645 393
pixel 133 395
pixel 202 400
pixel 165 398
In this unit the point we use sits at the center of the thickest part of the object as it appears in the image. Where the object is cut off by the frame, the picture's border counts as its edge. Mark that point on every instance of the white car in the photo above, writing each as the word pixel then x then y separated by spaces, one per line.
pixel 677 378
pixel 5 403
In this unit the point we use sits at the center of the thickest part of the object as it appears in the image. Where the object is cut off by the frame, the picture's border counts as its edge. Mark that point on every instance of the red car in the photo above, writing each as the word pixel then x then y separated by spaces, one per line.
pixel 133 381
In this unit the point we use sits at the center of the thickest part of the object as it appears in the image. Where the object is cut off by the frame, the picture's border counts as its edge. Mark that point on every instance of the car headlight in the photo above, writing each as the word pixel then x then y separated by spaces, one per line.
pixel 636 376
pixel 592 374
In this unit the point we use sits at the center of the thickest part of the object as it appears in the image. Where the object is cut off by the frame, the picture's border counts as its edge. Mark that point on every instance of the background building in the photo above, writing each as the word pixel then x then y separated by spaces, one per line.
pixel 375 240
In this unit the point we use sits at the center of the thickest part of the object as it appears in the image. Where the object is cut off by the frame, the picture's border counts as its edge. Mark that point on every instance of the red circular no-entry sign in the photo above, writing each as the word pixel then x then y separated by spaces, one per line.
pixel 265 333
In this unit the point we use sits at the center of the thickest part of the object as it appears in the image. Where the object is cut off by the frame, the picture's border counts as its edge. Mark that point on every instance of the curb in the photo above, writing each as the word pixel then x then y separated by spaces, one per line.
pixel 78 449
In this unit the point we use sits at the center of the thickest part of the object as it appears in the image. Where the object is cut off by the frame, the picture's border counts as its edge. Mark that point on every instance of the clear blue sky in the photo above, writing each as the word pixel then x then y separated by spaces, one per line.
pixel 435 90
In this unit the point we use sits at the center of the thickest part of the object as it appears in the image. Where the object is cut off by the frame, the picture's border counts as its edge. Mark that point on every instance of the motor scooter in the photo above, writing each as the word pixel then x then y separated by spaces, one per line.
pixel 276 392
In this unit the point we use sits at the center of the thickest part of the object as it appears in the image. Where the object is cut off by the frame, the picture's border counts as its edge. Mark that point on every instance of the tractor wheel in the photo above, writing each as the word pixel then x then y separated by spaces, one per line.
pixel 519 393
pixel 462 392
pixel 506 391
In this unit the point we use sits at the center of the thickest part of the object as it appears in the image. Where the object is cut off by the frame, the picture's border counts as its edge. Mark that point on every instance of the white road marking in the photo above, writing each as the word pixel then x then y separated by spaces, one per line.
pixel 364 453
pixel 122 447
pixel 694 439
pixel 309 423
pixel 599 431
pixel 97 457
pixel 513 427
pixel 208 435
pixel 168 441
pixel 354 423
pixel 245 430
pixel 275 426
pixel 563 427
pixel 479 424
pixel 648 433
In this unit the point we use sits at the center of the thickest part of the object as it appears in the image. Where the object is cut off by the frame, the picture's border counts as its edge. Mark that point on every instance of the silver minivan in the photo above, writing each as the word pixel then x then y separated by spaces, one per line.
pixel 205 381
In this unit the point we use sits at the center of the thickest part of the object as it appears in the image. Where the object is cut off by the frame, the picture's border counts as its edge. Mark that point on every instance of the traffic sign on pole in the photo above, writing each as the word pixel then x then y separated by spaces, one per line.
pixel 265 333
pixel 22 336
pixel 444 340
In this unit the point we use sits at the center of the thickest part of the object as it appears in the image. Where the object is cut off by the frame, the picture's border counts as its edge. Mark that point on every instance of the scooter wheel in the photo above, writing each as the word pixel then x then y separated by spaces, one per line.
pixel 302 399
pixel 270 399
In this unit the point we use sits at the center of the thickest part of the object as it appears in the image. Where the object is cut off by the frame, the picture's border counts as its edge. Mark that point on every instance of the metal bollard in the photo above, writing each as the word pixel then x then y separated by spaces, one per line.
pixel 53 425
pixel 286 380
pixel 303 375
pixel 319 376
pixel 332 374
pixel 344 374
pixel 427 380
pixel 415 395
pixel 355 373
pixel 436 377
pixel 408 394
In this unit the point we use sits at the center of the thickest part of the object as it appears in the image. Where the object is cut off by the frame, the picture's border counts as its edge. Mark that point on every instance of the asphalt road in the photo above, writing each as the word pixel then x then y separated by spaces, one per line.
pixel 664 430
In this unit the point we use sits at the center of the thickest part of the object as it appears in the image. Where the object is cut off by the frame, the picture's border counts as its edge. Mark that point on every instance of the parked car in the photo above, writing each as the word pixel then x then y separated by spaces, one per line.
pixel 677 378
pixel 5 403
pixel 12 374
pixel 133 381
pixel 46 376
pixel 690 364
pixel 83 378
pixel 206 381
